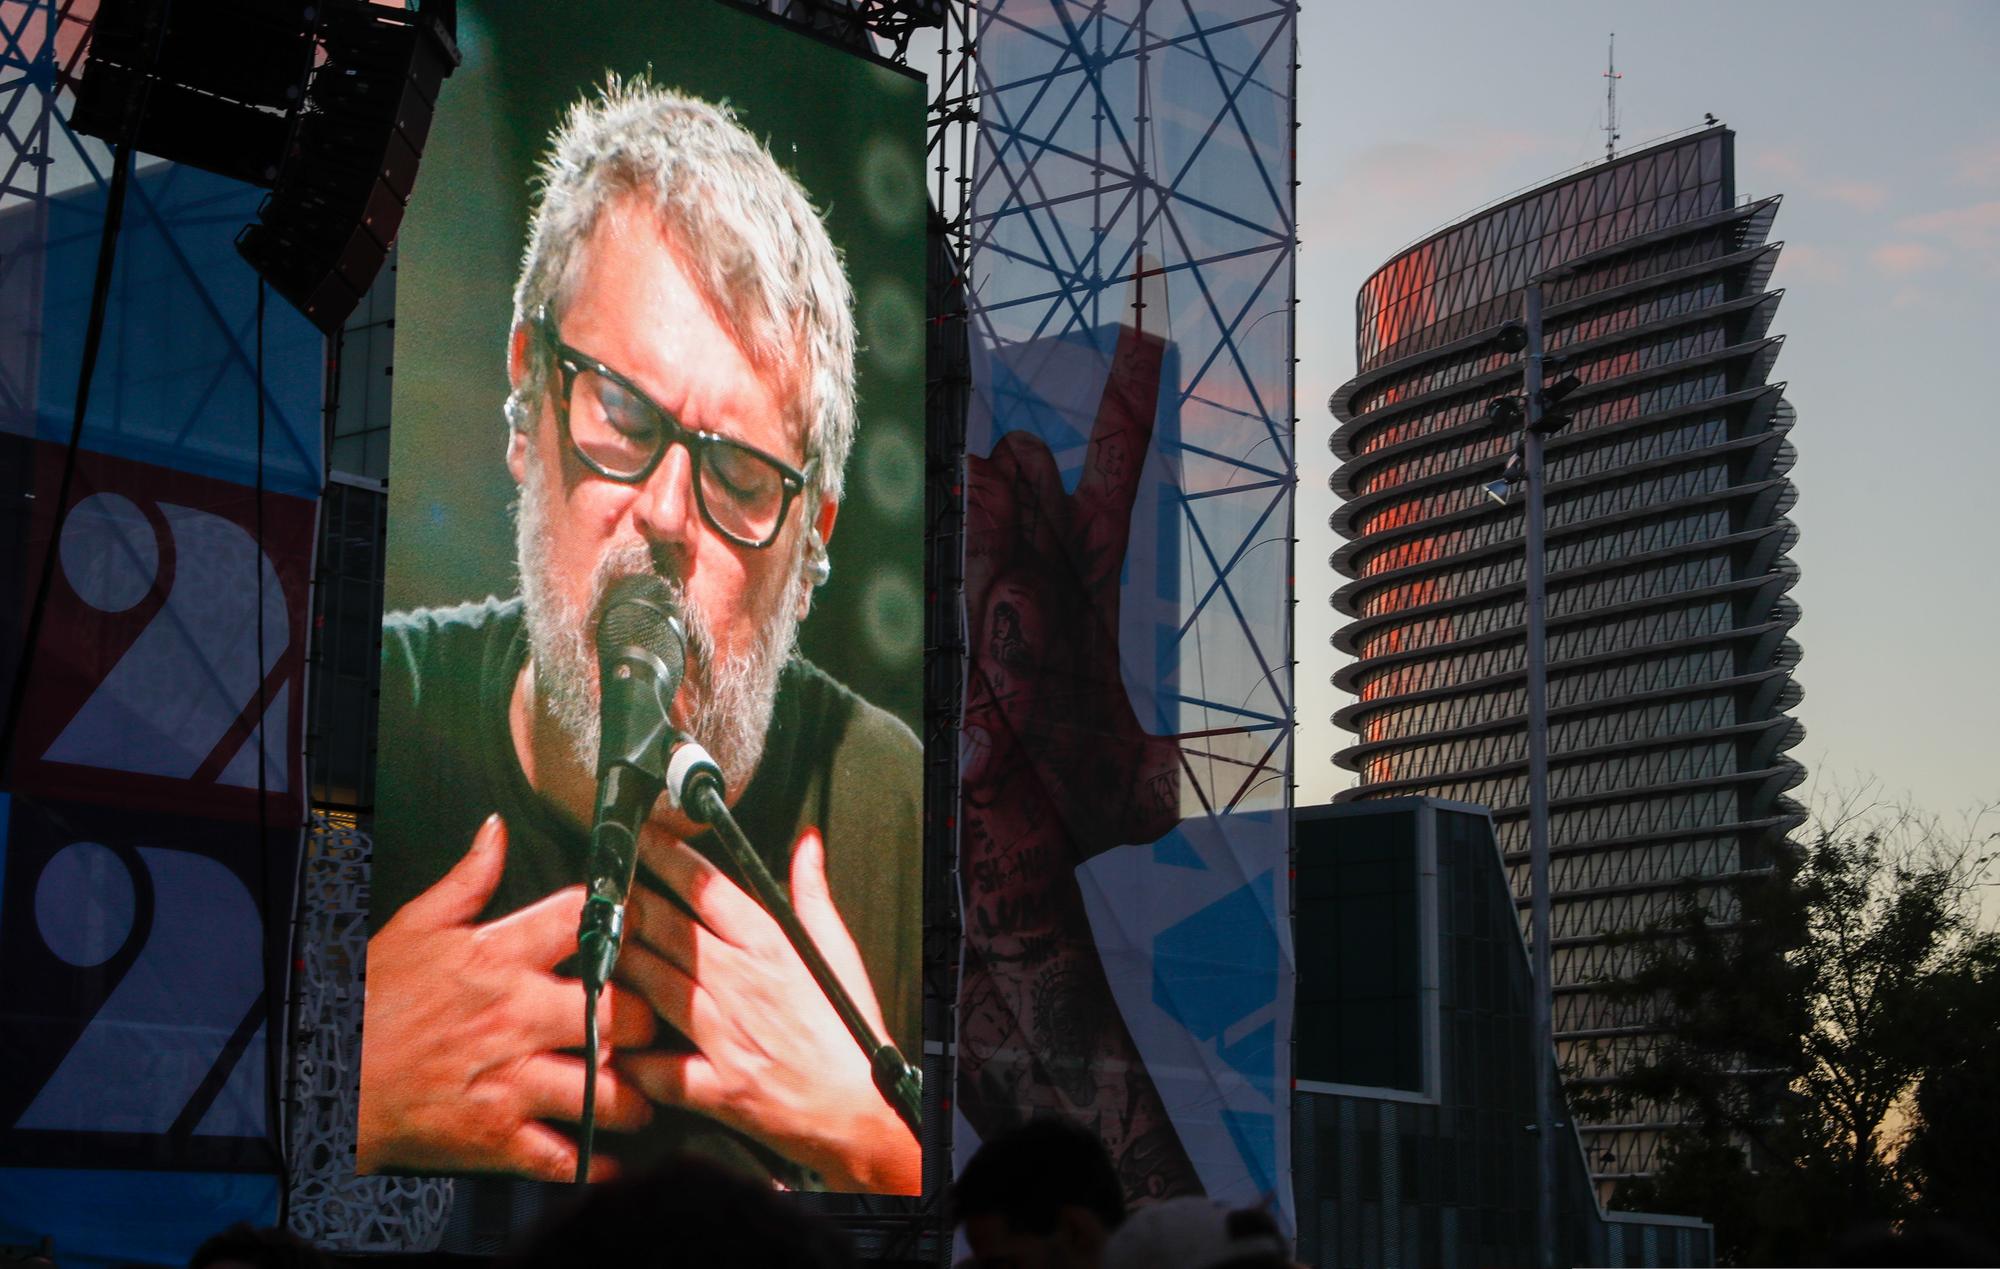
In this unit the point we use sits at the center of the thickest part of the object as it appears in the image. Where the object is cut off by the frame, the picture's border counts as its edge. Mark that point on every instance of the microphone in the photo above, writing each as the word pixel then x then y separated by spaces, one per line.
pixel 641 656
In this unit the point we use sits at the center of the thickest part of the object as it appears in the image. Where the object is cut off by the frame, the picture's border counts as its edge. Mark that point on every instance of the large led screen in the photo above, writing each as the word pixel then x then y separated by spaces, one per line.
pixel 660 302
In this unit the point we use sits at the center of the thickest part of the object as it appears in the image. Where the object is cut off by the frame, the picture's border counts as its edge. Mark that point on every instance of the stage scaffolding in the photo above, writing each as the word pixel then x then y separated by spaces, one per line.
pixel 1135 166
pixel 41 53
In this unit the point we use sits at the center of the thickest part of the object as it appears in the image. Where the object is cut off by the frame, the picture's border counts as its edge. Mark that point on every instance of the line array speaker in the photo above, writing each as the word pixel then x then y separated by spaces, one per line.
pixel 325 229
pixel 211 83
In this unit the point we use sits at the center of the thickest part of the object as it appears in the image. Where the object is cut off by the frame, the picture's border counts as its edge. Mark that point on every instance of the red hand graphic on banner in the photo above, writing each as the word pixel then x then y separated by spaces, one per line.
pixel 1056 768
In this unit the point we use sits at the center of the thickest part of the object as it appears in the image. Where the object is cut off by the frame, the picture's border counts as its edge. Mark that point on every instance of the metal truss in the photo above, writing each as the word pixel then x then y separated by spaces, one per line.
pixel 1130 144
pixel 42 45
pixel 41 54
pixel 854 22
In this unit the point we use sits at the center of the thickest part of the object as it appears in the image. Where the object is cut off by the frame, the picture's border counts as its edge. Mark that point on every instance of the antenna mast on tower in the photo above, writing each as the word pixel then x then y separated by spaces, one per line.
pixel 1611 78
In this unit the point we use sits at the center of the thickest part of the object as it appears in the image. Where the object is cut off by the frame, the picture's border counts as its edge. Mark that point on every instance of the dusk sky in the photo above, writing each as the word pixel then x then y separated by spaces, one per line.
pixel 1880 125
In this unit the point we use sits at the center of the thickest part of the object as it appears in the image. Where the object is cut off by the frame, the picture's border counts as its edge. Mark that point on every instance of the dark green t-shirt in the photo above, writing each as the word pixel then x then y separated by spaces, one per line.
pixel 831 761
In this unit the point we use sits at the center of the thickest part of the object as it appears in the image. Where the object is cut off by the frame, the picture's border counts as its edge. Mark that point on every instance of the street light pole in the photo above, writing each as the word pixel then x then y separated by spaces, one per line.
pixel 1542 1039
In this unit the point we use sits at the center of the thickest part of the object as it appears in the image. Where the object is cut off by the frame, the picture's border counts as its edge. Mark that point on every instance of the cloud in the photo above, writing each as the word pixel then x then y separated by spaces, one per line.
pixel 1790 168
pixel 1972 234
pixel 1910 297
pixel 1803 262
pixel 1979 165
pixel 1783 165
pixel 1392 191
pixel 1860 195
pixel 1972 229
pixel 1900 259
pixel 1422 169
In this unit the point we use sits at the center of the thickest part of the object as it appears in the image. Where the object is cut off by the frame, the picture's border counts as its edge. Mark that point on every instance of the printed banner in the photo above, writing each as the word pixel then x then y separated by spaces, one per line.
pixel 147 682
pixel 143 912
pixel 143 917
pixel 140 987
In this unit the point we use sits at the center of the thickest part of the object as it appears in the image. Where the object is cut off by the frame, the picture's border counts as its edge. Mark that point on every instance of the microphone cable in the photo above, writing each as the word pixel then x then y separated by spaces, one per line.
pixel 589 1122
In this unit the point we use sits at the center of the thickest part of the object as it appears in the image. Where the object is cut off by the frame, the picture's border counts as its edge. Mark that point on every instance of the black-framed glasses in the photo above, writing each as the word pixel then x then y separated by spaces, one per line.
pixel 621 434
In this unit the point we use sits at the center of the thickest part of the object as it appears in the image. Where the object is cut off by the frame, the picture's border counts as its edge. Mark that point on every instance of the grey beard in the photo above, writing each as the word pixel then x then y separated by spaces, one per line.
pixel 727 700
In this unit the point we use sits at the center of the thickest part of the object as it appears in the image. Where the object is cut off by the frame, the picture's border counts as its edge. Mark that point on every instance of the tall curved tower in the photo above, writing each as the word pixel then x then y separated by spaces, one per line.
pixel 1670 662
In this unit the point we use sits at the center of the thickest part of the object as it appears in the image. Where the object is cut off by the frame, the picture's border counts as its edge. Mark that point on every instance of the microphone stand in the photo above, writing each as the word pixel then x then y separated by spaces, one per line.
pixel 627 795
pixel 641 656
pixel 695 782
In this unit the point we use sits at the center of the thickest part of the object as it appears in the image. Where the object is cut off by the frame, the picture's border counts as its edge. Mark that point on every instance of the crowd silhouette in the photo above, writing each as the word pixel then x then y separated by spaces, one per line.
pixel 1044 1195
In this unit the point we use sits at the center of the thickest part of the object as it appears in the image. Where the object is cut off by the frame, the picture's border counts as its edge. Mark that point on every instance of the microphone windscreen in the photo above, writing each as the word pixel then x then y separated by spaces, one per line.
pixel 639 612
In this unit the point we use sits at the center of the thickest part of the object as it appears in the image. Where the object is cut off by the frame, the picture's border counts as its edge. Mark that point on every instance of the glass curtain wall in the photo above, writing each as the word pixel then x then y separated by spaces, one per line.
pixel 1670 661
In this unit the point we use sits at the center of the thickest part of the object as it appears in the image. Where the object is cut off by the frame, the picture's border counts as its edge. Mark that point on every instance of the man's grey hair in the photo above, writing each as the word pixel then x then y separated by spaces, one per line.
pixel 751 236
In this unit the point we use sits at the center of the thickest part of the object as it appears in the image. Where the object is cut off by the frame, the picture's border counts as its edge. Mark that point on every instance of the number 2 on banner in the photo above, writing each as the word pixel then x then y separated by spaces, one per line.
pixel 153 1045
pixel 180 688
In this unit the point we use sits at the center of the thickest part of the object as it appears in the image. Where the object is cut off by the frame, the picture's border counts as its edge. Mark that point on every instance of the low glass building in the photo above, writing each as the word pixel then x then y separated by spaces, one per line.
pixel 1414 1097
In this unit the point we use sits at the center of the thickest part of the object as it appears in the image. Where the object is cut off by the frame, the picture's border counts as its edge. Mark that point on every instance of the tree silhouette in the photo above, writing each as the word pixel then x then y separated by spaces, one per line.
pixel 1817 1016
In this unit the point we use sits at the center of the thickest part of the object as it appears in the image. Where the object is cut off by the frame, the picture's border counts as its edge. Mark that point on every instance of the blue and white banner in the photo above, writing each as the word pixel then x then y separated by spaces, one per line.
pixel 154 802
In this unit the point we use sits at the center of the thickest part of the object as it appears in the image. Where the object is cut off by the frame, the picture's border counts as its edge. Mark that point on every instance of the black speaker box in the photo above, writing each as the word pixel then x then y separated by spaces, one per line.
pixel 326 228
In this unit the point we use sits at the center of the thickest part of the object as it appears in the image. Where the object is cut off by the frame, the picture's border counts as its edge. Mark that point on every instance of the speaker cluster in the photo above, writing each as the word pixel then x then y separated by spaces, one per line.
pixel 326 103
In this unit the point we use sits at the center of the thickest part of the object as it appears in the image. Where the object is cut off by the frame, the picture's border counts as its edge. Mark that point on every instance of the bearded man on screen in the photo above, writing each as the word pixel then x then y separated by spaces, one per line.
pixel 681 364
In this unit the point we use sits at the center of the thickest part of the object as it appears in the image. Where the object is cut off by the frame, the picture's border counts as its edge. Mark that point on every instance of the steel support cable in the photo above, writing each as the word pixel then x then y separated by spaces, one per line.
pixel 93 337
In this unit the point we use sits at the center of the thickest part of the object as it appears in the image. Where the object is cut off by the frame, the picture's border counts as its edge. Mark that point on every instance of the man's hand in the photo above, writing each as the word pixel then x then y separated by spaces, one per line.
pixel 459 1057
pixel 773 1060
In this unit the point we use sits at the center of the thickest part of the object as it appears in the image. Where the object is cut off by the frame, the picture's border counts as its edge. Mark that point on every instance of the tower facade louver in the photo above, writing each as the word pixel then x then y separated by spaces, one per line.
pixel 1669 656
